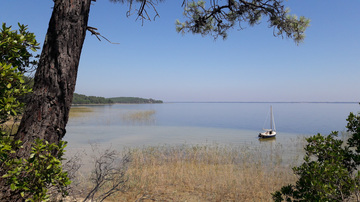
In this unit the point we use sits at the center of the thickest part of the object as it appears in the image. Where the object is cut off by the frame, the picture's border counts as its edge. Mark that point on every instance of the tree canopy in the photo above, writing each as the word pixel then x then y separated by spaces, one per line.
pixel 217 17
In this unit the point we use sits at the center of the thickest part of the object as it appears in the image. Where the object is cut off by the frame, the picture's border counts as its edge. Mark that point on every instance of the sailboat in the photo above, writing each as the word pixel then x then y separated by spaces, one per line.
pixel 269 132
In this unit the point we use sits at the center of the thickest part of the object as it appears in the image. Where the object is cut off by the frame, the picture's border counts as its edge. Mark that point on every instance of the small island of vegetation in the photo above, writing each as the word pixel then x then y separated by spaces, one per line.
pixel 83 99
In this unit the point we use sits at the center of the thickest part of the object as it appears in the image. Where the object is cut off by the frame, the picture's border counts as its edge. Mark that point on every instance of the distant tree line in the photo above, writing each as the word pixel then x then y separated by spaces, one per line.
pixel 135 100
pixel 83 99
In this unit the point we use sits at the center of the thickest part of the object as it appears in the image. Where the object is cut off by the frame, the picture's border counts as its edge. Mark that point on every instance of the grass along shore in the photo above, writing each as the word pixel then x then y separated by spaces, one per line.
pixel 199 173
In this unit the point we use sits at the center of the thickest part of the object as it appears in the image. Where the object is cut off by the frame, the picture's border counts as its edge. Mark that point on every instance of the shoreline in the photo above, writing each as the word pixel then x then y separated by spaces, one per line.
pixel 99 104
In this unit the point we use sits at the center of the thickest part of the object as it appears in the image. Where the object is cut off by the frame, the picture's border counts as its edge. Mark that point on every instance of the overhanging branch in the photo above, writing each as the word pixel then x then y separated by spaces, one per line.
pixel 93 31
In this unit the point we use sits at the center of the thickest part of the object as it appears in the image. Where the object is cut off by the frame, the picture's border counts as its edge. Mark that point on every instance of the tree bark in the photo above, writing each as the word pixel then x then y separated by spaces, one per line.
pixel 47 113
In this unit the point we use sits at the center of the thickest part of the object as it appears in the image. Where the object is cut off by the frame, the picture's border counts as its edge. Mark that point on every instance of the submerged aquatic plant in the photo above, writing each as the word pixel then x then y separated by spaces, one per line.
pixel 140 117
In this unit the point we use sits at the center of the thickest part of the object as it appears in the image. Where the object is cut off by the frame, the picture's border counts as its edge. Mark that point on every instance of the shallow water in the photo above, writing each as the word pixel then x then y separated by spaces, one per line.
pixel 235 124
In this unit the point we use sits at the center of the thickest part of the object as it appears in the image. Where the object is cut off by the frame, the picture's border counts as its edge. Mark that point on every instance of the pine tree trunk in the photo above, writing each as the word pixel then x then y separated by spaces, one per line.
pixel 47 113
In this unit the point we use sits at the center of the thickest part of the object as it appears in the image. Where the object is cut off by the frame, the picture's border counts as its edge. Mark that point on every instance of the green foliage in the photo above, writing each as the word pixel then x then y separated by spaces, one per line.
pixel 11 88
pixel 15 56
pixel 328 173
pixel 24 179
pixel 16 47
pixel 217 18
pixel 134 100
pixel 353 126
pixel 7 147
pixel 83 99
pixel 31 178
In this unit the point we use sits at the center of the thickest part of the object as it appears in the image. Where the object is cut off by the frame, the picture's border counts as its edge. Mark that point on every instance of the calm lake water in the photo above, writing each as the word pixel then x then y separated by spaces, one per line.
pixel 124 125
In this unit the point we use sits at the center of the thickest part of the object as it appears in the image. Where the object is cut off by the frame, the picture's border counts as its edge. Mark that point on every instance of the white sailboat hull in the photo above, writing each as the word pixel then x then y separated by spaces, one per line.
pixel 267 134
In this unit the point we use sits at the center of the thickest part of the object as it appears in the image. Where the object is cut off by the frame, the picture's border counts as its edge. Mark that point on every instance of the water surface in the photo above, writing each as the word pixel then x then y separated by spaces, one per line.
pixel 129 125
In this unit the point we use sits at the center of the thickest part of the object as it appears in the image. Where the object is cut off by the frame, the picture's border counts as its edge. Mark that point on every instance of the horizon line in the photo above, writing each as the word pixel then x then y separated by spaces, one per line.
pixel 349 102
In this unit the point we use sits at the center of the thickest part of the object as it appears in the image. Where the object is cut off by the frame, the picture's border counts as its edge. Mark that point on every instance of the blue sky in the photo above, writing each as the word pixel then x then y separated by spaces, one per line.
pixel 154 61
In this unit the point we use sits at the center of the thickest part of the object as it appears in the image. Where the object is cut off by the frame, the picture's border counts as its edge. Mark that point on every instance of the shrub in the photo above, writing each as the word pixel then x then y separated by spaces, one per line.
pixel 24 179
pixel 328 173
pixel 31 178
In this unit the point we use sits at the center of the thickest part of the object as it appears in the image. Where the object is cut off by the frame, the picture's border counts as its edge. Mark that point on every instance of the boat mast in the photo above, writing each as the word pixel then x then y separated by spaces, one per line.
pixel 271 118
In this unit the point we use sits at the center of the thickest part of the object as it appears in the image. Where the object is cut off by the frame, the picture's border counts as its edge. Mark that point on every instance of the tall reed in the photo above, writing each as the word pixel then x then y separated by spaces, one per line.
pixel 204 173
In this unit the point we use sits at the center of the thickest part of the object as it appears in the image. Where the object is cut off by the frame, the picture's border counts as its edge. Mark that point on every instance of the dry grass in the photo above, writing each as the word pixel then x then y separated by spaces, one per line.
pixel 203 173
pixel 11 126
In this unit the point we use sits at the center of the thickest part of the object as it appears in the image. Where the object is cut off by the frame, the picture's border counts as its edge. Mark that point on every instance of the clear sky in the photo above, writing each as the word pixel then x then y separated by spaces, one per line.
pixel 154 61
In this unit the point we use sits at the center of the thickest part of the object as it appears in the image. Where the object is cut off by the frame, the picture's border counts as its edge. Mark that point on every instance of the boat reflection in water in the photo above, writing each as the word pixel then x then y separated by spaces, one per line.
pixel 272 139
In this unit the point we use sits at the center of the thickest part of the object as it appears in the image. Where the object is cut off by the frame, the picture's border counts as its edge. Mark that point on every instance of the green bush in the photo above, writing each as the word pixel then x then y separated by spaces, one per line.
pixel 22 179
pixel 31 178
pixel 11 88
pixel 329 171
pixel 17 47
pixel 16 56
